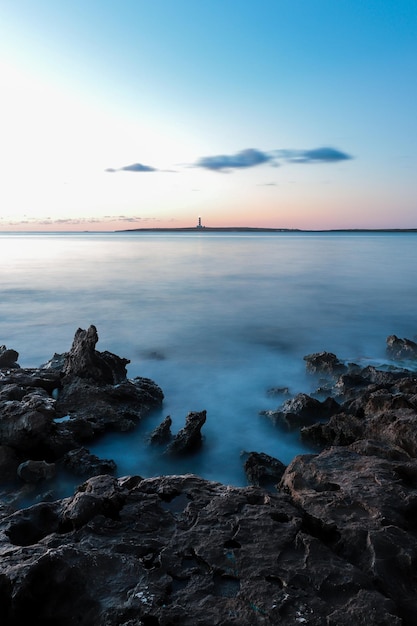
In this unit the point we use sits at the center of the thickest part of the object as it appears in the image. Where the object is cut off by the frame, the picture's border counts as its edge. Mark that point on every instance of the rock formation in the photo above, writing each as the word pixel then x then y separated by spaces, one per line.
pixel 333 544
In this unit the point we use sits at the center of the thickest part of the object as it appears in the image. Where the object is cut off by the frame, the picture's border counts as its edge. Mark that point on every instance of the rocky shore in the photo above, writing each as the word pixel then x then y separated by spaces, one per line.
pixel 330 540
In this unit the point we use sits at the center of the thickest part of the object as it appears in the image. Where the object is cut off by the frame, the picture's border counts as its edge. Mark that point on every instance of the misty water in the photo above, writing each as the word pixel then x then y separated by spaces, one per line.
pixel 216 319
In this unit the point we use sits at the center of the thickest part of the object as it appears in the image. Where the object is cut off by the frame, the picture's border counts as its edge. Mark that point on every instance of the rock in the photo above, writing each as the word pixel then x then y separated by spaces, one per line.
pixel 8 358
pixel 83 361
pixel 36 471
pixel 262 469
pixel 162 433
pixel 324 363
pixel 182 550
pixel 47 412
pixel 188 439
pixel 8 463
pixel 302 410
pixel 365 513
pixel 81 463
pixel 401 348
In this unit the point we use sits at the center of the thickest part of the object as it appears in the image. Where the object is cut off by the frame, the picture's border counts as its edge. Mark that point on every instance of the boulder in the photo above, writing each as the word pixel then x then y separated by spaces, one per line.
pixel 36 471
pixel 8 358
pixel 262 469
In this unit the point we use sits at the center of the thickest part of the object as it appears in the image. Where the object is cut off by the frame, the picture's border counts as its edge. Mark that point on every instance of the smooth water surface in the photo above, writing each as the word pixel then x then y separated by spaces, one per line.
pixel 216 319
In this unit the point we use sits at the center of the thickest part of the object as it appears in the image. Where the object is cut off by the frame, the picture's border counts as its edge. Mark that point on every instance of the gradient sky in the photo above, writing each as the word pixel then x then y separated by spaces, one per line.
pixel 274 113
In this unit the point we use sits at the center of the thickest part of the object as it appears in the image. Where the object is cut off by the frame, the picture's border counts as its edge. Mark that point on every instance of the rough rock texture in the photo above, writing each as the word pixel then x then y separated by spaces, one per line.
pixel 181 550
pixel 188 439
pixel 46 413
pixel 401 348
pixel 262 469
pixel 302 410
pixel 334 544
pixel 162 433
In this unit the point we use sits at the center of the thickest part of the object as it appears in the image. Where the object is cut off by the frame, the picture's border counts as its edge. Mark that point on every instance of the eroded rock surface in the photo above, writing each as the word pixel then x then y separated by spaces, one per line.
pixel 48 412
pixel 180 550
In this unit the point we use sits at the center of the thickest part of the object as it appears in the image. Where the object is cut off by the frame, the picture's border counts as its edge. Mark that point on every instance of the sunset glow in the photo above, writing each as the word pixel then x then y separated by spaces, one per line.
pixel 140 115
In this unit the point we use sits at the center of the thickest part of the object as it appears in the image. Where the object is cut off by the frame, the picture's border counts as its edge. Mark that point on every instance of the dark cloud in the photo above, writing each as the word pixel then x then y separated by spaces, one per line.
pixel 245 158
pixel 316 155
pixel 135 167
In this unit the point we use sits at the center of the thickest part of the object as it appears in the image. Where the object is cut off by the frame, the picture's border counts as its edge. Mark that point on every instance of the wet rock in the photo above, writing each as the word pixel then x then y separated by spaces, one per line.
pixel 302 410
pixel 162 433
pixel 365 512
pixel 8 358
pixel 180 550
pixel 84 361
pixel 82 463
pixel 46 412
pixel 324 363
pixel 262 469
pixel 36 471
pixel 189 438
pixel 401 348
pixel 9 463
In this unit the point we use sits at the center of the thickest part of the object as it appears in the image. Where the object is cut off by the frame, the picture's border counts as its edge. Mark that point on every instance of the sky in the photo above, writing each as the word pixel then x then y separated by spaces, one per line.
pixel 275 113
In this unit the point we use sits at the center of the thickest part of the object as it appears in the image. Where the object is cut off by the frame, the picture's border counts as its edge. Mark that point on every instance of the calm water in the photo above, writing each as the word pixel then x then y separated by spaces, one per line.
pixel 215 319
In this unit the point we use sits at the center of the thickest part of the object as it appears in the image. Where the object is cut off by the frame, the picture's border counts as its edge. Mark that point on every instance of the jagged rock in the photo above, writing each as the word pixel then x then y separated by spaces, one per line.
pixel 82 463
pixel 8 358
pixel 46 412
pixel 188 439
pixel 302 410
pixel 262 469
pixel 84 361
pixel 162 433
pixel 36 471
pixel 401 348
pixel 364 508
pixel 324 363
pixel 181 550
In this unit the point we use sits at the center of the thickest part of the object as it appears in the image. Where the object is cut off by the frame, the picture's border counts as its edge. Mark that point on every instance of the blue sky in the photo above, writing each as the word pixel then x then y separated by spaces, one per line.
pixel 292 114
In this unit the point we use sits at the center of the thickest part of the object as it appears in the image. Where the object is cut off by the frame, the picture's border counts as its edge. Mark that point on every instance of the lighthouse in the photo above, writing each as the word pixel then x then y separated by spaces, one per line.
pixel 199 223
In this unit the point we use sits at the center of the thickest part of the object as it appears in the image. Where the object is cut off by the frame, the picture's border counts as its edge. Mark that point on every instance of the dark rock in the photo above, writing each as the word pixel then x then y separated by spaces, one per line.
pixel 302 410
pixel 8 463
pixel 278 391
pixel 82 463
pixel 182 550
pixel 83 361
pixel 262 469
pixel 401 348
pixel 36 471
pixel 49 411
pixel 8 358
pixel 365 513
pixel 162 433
pixel 324 363
pixel 188 439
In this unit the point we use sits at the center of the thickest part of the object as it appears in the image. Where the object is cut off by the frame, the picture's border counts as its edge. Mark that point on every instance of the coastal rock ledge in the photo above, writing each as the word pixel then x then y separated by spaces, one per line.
pixel 332 542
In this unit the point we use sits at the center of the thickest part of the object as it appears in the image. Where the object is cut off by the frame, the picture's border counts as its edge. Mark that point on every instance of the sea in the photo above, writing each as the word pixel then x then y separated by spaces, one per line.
pixel 216 319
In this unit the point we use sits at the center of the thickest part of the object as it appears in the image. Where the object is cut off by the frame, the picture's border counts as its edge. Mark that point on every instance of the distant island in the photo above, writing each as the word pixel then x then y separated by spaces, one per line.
pixel 199 228
pixel 251 229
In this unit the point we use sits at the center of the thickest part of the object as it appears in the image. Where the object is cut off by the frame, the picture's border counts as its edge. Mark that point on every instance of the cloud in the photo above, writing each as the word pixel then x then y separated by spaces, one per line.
pixel 245 158
pixel 316 155
pixel 135 167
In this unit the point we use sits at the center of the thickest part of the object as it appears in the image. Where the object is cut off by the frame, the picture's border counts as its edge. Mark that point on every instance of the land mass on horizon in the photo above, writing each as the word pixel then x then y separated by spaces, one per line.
pixel 211 229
